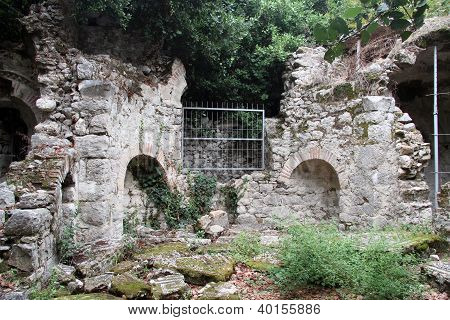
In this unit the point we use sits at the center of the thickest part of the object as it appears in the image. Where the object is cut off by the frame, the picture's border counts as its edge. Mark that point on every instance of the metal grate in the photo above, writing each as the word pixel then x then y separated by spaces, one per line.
pixel 223 136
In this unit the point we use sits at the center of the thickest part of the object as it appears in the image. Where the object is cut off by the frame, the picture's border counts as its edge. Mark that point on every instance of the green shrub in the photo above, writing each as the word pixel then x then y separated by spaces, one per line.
pixel 316 256
pixel 321 255
pixel 51 290
pixel 246 246
pixel 386 274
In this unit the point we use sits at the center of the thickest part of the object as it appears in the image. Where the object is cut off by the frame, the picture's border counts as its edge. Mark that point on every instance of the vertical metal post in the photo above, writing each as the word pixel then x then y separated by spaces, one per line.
pixel 436 131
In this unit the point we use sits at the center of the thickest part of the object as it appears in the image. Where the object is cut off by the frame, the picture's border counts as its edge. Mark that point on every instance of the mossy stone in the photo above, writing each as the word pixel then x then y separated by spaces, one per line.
pixel 261 265
pixel 130 287
pixel 89 296
pixel 123 267
pixel 344 91
pixel 213 248
pixel 205 268
pixel 165 250
pixel 219 291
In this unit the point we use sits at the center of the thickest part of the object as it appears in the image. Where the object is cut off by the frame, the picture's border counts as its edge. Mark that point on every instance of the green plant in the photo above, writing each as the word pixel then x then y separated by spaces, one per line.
pixel 130 222
pixel 232 195
pixel 66 246
pixel 201 192
pixel 403 16
pixel 51 289
pixel 321 255
pixel 246 246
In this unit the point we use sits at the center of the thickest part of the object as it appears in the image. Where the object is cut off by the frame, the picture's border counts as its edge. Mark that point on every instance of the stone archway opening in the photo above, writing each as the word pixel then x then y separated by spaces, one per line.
pixel 144 178
pixel 413 88
pixel 14 137
pixel 317 182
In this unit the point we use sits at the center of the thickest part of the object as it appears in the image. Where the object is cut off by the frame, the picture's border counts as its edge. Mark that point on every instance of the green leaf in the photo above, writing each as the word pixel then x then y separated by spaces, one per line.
pixel 339 25
pixel 405 35
pixel 320 33
pixel 399 3
pixel 334 52
pixel 400 24
pixel 365 37
pixel 396 14
pixel 351 13
pixel 372 27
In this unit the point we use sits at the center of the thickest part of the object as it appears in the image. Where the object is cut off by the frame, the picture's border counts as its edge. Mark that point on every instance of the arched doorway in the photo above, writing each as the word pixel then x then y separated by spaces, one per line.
pixel 14 138
pixel 318 184
pixel 144 180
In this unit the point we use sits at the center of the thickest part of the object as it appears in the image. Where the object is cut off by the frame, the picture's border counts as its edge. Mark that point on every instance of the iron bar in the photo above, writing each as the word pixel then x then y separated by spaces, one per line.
pixel 436 131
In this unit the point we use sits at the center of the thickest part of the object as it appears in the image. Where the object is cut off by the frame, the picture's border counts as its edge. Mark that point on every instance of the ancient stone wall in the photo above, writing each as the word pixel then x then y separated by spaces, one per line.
pixel 343 149
pixel 95 114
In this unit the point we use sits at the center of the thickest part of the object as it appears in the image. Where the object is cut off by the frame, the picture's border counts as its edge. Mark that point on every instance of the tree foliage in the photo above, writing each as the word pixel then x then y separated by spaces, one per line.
pixel 364 19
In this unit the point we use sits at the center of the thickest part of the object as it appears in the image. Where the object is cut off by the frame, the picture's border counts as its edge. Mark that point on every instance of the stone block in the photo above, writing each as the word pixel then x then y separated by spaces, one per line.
pixel 95 213
pixel 7 198
pixel 96 89
pixel 28 222
pixel 38 199
pixel 92 146
pixel 100 124
pixel 378 103
pixel 24 257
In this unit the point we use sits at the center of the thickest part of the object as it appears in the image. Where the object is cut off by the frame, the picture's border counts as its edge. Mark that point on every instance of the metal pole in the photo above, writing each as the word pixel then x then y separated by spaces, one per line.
pixel 436 132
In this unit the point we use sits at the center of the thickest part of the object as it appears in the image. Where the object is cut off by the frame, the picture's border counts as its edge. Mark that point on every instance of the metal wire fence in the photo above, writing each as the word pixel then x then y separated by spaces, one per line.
pixel 223 136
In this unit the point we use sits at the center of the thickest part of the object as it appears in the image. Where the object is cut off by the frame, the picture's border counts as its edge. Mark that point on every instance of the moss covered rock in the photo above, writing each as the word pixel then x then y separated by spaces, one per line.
pixel 219 291
pixel 165 250
pixel 89 296
pixel 127 285
pixel 262 266
pixel 123 267
pixel 214 248
pixel 202 269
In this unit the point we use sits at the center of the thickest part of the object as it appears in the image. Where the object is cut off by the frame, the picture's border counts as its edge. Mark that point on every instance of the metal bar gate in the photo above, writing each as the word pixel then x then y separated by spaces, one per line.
pixel 223 136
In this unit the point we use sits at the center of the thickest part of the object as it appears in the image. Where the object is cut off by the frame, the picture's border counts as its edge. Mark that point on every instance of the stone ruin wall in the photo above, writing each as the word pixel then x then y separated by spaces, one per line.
pixel 343 150
pixel 94 114
pixel 332 155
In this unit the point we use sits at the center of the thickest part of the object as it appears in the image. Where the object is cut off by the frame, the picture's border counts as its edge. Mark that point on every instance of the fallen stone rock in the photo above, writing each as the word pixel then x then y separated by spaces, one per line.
pixel 98 283
pixel 215 230
pixel 64 273
pixel 169 287
pixel 219 291
pixel 129 286
pixel 123 267
pixel 202 269
pixel 75 286
pixel 89 296
pixel 165 250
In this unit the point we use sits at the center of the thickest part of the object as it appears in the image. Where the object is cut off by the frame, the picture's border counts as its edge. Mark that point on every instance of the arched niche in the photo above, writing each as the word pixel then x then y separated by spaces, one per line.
pixel 318 183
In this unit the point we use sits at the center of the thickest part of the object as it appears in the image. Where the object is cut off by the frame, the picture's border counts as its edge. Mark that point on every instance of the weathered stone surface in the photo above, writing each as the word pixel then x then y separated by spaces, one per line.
pixel 7 198
pixel 38 199
pixel 92 146
pixel 202 269
pixel 100 124
pixel 130 287
pixel 124 266
pixel 90 296
pixel 28 222
pixel 85 70
pixel 24 257
pixel 215 230
pixel 165 250
pixel 75 286
pixel 220 218
pixel 2 218
pixel 64 273
pixel 98 283
pixel 219 291
pixel 170 286
pixel 96 89
pixel 45 104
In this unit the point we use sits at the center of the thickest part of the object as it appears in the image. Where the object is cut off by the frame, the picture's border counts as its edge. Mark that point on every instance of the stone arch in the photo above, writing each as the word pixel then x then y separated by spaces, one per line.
pixel 147 149
pixel 313 153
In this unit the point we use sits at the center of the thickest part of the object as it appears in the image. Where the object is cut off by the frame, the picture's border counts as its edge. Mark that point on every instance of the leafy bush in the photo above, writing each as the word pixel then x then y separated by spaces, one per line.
pixel 320 255
pixel 246 246
pixel 51 290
